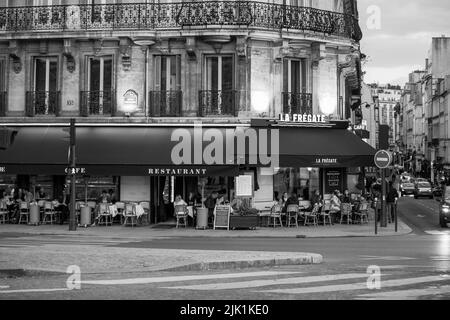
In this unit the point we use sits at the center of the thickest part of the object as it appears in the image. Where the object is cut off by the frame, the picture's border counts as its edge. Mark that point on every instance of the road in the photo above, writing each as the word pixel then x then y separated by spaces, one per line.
pixel 414 266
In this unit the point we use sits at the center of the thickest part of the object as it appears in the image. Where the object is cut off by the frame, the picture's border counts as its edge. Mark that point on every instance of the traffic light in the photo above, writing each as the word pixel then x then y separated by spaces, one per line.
pixel 7 137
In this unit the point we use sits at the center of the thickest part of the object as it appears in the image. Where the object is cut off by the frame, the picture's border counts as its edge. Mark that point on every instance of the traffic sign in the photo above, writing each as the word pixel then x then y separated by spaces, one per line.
pixel 383 159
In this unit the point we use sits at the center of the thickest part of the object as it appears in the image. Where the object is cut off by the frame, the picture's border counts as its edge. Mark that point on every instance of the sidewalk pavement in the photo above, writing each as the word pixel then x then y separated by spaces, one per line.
pixel 52 248
pixel 169 231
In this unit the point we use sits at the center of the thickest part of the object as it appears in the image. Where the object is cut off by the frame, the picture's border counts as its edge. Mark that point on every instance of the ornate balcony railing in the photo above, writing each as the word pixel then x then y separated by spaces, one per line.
pixel 98 103
pixel 154 16
pixel 3 96
pixel 218 103
pixel 42 103
pixel 166 103
pixel 297 103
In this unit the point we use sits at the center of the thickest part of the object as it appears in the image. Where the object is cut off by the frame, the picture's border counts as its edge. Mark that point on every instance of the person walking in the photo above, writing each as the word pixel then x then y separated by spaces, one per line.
pixel 391 201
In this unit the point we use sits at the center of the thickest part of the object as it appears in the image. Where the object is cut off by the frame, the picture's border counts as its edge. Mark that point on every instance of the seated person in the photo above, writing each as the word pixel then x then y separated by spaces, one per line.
pixel 335 202
pixel 345 198
pixel 292 200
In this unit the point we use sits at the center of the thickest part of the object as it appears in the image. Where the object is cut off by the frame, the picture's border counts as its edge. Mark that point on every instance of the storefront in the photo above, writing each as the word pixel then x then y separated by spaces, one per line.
pixel 155 163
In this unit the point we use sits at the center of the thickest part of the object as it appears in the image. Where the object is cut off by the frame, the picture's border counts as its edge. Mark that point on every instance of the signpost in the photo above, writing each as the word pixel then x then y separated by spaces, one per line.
pixel 383 159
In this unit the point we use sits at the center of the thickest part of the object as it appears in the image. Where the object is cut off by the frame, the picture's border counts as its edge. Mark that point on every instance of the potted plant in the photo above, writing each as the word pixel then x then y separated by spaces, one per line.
pixel 245 217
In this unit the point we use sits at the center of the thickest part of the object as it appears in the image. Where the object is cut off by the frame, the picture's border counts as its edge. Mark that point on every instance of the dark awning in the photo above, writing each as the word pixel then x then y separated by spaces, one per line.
pixel 100 151
pixel 323 147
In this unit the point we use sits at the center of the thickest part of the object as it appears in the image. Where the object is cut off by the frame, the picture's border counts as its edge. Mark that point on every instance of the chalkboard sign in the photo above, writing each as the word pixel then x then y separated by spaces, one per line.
pixel 222 217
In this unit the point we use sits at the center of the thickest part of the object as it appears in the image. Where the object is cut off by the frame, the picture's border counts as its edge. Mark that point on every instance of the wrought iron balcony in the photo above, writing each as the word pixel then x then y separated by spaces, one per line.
pixel 98 103
pixel 154 16
pixel 166 103
pixel 218 103
pixel 297 103
pixel 42 103
pixel 3 96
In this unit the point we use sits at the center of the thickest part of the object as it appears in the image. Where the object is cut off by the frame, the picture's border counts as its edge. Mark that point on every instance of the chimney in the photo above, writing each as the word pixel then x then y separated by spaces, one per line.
pixel 426 64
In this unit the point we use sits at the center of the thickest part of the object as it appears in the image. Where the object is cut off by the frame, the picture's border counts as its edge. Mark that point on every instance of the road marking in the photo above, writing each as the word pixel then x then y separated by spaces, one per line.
pixel 273 282
pixel 4 287
pixel 185 278
pixel 405 294
pixel 359 286
pixel 420 216
pixel 33 290
pixel 440 258
pixel 437 232
pixel 385 258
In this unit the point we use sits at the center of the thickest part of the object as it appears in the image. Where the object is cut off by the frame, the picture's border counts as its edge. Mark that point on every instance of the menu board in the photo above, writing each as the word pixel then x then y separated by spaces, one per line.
pixel 222 217
pixel 244 186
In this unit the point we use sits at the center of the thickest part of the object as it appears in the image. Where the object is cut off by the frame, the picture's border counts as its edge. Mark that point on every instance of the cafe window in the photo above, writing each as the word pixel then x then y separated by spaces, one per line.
pixel 44 183
pixel 7 182
pixel 302 181
pixel 91 188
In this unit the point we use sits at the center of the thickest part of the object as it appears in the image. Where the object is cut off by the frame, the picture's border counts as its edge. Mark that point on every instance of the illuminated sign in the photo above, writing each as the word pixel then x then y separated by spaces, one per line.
pixel 302 118
pixel 2 169
pixel 75 170
pixel 326 161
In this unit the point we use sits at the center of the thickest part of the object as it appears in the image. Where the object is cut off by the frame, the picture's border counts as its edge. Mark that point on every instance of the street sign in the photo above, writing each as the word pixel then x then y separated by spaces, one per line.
pixel 383 159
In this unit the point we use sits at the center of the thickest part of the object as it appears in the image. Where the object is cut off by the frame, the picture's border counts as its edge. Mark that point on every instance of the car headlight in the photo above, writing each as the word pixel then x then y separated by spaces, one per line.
pixel 446 209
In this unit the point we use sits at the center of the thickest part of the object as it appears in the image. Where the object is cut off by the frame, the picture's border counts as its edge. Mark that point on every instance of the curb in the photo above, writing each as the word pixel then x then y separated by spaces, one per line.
pixel 245 264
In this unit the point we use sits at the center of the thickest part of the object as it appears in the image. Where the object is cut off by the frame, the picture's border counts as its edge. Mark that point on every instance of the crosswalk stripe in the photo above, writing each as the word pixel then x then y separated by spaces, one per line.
pixel 32 290
pixel 186 278
pixel 405 294
pixel 359 286
pixel 273 282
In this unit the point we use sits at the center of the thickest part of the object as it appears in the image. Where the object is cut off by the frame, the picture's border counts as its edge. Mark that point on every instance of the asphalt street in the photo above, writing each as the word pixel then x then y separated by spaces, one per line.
pixel 414 266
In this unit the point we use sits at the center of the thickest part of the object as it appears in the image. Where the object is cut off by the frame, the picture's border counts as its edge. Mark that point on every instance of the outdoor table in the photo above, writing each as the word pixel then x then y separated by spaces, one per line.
pixel 34 214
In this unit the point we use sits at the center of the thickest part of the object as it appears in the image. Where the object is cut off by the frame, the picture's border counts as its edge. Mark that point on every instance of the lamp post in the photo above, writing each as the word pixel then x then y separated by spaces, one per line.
pixel 72 215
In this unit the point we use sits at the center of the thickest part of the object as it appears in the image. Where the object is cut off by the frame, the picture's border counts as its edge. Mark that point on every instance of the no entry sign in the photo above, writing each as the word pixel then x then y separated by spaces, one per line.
pixel 383 159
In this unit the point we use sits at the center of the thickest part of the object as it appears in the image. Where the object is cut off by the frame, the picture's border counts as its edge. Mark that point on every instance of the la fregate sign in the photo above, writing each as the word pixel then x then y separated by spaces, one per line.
pixel 302 118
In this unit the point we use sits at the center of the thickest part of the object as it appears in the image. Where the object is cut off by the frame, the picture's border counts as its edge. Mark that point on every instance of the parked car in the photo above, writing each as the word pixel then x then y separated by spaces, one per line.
pixel 444 210
pixel 405 177
pixel 423 189
pixel 437 191
pixel 406 188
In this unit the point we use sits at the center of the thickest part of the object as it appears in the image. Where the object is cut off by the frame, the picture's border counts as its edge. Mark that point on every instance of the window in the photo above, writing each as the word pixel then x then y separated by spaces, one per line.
pixel 99 97
pixel 219 73
pixel 218 96
pixel 166 99
pixel 296 98
pixel 43 99
pixel 167 73
pixel 2 87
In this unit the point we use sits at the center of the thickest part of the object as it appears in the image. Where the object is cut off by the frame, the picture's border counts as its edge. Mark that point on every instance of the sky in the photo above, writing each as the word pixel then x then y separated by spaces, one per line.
pixel 397 36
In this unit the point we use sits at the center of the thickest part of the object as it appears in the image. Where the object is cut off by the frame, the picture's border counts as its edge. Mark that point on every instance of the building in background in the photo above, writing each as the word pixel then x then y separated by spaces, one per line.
pixel 132 73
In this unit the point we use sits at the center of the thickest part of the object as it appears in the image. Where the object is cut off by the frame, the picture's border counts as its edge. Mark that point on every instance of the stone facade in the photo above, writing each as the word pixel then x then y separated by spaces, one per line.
pixel 258 74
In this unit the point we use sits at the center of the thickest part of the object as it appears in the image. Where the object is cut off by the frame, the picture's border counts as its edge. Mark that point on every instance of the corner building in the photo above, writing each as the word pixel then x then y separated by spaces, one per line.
pixel 132 72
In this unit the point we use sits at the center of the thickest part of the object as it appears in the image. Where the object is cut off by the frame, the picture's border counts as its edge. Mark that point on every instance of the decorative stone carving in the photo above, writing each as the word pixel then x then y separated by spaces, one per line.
pixel 318 53
pixel 241 47
pixel 71 65
pixel 14 55
pixel 126 62
pixel 190 48
pixel 98 44
pixel 17 63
